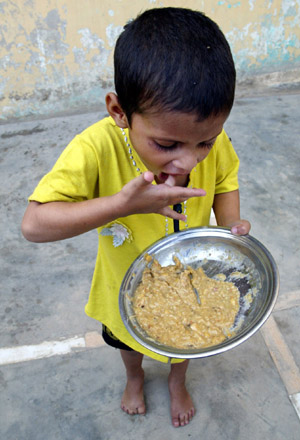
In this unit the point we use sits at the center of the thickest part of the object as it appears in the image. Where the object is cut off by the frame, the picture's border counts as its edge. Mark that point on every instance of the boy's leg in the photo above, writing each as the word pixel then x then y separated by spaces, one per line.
pixel 133 397
pixel 182 408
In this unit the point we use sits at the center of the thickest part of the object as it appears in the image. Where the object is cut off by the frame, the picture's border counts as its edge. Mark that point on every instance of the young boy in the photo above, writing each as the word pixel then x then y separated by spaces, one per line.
pixel 163 144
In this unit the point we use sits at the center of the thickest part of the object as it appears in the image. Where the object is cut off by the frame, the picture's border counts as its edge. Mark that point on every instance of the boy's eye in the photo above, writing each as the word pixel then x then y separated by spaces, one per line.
pixel 208 145
pixel 166 147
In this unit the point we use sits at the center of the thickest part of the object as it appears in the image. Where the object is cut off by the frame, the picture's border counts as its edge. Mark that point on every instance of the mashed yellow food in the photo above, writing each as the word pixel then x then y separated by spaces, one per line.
pixel 166 306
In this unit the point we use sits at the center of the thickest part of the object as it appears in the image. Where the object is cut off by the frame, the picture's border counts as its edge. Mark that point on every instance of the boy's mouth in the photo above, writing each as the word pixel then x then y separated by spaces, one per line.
pixel 162 177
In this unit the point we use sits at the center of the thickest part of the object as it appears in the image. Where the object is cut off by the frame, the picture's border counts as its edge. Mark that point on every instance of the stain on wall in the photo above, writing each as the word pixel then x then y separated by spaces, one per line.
pixel 56 56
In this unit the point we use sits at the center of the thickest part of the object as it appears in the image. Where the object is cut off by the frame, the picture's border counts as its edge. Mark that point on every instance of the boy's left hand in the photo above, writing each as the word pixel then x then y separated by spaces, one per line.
pixel 240 227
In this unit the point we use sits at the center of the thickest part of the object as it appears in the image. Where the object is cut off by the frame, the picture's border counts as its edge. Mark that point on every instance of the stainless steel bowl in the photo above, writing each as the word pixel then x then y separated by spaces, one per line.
pixel 217 251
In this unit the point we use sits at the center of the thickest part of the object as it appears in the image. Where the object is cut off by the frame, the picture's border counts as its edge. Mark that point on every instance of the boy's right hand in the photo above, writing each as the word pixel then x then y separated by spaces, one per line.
pixel 140 196
pixel 53 221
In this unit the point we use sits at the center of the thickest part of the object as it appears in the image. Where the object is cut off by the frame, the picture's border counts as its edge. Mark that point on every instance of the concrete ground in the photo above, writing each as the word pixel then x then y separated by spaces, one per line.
pixel 57 379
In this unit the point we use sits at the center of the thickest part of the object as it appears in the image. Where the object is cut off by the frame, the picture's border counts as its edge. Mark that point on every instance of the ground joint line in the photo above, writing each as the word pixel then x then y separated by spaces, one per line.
pixel 281 356
pixel 295 399
pixel 288 300
pixel 12 355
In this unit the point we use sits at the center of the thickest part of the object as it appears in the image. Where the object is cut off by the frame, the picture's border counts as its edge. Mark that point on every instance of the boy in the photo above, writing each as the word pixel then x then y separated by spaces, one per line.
pixel 162 145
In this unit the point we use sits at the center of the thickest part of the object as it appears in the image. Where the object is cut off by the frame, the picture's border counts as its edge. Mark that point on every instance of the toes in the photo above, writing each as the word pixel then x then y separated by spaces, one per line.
pixel 183 419
pixel 175 422
pixel 178 421
pixel 141 411
pixel 132 412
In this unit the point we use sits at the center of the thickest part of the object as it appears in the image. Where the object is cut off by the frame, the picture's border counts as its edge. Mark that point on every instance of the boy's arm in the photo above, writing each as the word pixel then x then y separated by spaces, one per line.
pixel 44 222
pixel 226 207
pixel 53 221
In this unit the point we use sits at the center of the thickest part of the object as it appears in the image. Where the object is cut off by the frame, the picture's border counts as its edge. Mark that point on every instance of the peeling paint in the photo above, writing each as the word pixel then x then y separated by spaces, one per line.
pixel 89 40
pixel 252 2
pixel 229 4
pixel 112 33
pixel 56 55
pixel 274 41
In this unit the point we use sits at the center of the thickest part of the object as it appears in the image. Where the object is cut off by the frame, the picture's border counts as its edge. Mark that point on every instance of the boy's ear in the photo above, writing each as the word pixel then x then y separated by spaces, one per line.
pixel 115 110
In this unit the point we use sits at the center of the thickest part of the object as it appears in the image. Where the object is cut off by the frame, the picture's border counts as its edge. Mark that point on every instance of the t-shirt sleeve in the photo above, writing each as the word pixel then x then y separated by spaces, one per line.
pixel 73 178
pixel 227 165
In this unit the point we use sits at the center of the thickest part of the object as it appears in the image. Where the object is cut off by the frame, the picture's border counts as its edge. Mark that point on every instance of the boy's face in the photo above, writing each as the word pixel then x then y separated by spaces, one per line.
pixel 173 143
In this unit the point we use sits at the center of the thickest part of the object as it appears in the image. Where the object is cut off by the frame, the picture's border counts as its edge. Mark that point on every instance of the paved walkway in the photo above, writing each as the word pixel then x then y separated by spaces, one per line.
pixel 57 378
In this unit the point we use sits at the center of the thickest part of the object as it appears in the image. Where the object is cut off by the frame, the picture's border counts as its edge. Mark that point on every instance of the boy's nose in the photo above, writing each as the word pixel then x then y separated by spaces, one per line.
pixel 186 162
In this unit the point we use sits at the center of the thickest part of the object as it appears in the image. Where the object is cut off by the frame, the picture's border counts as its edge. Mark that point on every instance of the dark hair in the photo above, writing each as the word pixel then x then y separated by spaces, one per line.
pixel 174 59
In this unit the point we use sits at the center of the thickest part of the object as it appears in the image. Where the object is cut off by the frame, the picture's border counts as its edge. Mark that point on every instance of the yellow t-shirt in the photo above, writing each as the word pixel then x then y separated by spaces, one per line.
pixel 97 163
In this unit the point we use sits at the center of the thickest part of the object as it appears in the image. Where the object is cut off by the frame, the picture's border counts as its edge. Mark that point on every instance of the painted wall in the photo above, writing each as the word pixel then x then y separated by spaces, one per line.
pixel 56 55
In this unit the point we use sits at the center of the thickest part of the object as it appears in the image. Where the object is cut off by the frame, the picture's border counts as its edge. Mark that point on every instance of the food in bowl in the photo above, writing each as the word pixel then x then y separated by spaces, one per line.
pixel 166 305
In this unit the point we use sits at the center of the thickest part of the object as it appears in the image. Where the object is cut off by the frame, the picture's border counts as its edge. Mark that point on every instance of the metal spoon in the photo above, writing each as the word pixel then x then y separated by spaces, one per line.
pixel 194 288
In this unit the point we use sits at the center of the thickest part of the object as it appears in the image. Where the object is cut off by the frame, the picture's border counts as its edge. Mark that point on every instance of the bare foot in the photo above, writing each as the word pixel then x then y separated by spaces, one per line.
pixel 182 408
pixel 133 396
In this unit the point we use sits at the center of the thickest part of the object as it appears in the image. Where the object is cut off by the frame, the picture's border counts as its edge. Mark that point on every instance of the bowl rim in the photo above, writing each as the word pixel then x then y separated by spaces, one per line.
pixel 203 231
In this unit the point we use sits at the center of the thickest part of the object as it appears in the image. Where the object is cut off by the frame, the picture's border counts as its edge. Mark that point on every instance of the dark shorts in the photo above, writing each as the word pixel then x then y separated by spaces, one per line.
pixel 111 340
